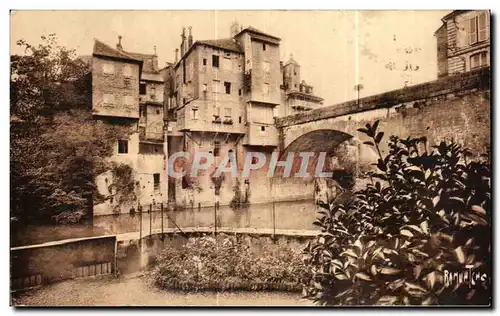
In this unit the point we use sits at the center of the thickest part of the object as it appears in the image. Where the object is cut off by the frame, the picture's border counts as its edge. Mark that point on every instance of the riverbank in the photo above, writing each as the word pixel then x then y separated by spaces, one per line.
pixel 137 290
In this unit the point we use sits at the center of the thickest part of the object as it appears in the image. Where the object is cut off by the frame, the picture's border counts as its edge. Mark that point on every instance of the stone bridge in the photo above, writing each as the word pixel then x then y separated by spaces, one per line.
pixel 452 108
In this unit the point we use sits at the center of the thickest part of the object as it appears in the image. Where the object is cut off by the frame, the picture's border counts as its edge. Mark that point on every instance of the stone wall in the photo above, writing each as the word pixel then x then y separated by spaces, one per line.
pixel 55 261
pixel 452 108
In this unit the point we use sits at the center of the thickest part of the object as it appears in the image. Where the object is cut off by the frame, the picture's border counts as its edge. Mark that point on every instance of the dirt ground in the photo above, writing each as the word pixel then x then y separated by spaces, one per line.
pixel 138 291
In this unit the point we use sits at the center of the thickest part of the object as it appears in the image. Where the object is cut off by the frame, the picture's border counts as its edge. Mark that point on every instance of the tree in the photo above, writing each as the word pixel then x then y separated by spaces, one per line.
pixel 424 216
pixel 57 147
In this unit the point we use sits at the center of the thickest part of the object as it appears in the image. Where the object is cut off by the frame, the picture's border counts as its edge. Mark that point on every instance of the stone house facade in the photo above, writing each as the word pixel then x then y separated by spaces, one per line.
pixel 463 42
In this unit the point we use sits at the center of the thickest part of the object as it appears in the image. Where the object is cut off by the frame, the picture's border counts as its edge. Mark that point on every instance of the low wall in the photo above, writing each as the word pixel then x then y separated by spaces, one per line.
pixel 54 261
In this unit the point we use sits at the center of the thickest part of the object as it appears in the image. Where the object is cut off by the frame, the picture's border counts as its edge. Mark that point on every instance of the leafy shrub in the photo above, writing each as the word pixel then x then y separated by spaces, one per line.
pixel 229 262
pixel 423 216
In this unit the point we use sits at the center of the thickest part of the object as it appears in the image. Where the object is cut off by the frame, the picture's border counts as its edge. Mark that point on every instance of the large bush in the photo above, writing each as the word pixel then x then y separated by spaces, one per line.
pixel 228 263
pixel 425 214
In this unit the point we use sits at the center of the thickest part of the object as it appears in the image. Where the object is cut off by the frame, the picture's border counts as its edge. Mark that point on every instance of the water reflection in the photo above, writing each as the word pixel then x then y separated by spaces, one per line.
pixel 296 215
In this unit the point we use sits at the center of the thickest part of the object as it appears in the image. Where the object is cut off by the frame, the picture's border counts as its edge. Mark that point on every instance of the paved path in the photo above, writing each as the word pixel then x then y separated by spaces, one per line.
pixel 138 291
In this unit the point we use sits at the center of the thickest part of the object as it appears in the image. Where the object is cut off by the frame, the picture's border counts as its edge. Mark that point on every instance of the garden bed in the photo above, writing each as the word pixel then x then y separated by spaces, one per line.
pixel 228 263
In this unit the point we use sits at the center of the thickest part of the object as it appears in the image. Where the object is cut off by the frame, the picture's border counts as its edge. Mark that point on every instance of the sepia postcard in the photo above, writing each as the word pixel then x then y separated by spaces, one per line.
pixel 237 158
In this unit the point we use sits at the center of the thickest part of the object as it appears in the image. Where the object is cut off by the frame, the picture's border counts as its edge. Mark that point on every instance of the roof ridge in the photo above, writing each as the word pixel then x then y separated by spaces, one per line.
pixel 121 54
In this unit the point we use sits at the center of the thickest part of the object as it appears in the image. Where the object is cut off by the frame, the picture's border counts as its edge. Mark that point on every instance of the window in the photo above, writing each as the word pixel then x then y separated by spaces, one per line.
pixel 227 113
pixel 477 29
pixel 142 88
pixel 239 91
pixel 262 128
pixel 215 86
pixel 123 146
pixel 226 63
pixel 109 98
pixel 263 46
pixel 157 111
pixel 108 69
pixel 128 100
pixel 266 66
pixel 204 61
pixel 478 60
pixel 156 181
pixel 217 111
pixel 227 86
pixel 265 88
pixel 239 119
pixel 216 148
pixel 127 71
pixel 215 61
pixel 194 114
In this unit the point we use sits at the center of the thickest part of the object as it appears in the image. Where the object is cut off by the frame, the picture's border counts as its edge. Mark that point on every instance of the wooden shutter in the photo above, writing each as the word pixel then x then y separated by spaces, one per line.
pixel 482 27
pixel 472 30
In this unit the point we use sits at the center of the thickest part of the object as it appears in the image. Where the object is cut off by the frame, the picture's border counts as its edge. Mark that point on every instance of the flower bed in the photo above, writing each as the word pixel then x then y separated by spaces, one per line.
pixel 230 263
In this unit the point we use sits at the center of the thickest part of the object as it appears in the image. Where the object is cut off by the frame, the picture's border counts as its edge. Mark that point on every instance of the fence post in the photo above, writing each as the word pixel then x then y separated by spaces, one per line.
pixel 161 210
pixel 140 227
pixel 274 221
pixel 150 219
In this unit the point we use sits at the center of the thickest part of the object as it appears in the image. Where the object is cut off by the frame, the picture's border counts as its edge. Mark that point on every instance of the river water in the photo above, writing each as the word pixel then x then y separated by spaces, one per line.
pixel 296 215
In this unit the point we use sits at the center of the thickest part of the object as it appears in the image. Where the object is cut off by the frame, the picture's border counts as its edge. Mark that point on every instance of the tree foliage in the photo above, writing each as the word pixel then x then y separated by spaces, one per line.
pixel 425 215
pixel 57 148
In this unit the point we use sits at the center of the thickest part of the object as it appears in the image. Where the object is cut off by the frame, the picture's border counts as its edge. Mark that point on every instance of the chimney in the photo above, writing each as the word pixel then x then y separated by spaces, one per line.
pixel 176 55
pixel 190 39
pixel 234 29
pixel 183 41
pixel 155 59
pixel 119 45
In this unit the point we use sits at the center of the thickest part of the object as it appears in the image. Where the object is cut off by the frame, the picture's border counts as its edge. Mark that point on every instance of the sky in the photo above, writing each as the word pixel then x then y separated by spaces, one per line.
pixel 381 50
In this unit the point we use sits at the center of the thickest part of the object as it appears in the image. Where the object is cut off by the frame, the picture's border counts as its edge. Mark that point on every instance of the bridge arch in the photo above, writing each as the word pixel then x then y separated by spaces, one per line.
pixel 353 156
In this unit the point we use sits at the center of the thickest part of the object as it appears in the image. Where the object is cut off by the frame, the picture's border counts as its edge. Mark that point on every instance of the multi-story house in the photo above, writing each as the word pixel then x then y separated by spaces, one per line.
pixel 127 90
pixel 296 95
pixel 463 42
pixel 222 96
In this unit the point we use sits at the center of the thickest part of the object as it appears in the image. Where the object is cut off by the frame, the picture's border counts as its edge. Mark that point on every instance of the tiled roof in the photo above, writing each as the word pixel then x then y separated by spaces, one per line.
pixel 256 31
pixel 148 62
pixel 225 43
pixel 102 49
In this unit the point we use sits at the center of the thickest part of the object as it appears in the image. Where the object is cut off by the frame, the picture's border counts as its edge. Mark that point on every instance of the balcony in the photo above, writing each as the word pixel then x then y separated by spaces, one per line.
pixel 261 135
pixel 145 135
pixel 214 124
pixel 150 99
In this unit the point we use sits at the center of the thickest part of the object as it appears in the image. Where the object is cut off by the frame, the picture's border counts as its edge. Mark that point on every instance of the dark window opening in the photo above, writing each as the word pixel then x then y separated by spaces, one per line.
pixel 239 119
pixel 143 111
pixel 184 71
pixel 204 61
pixel 263 46
pixel 156 181
pixel 216 148
pixel 157 111
pixel 239 91
pixel 142 88
pixel 123 146
pixel 227 85
pixel 263 128
pixel 215 61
